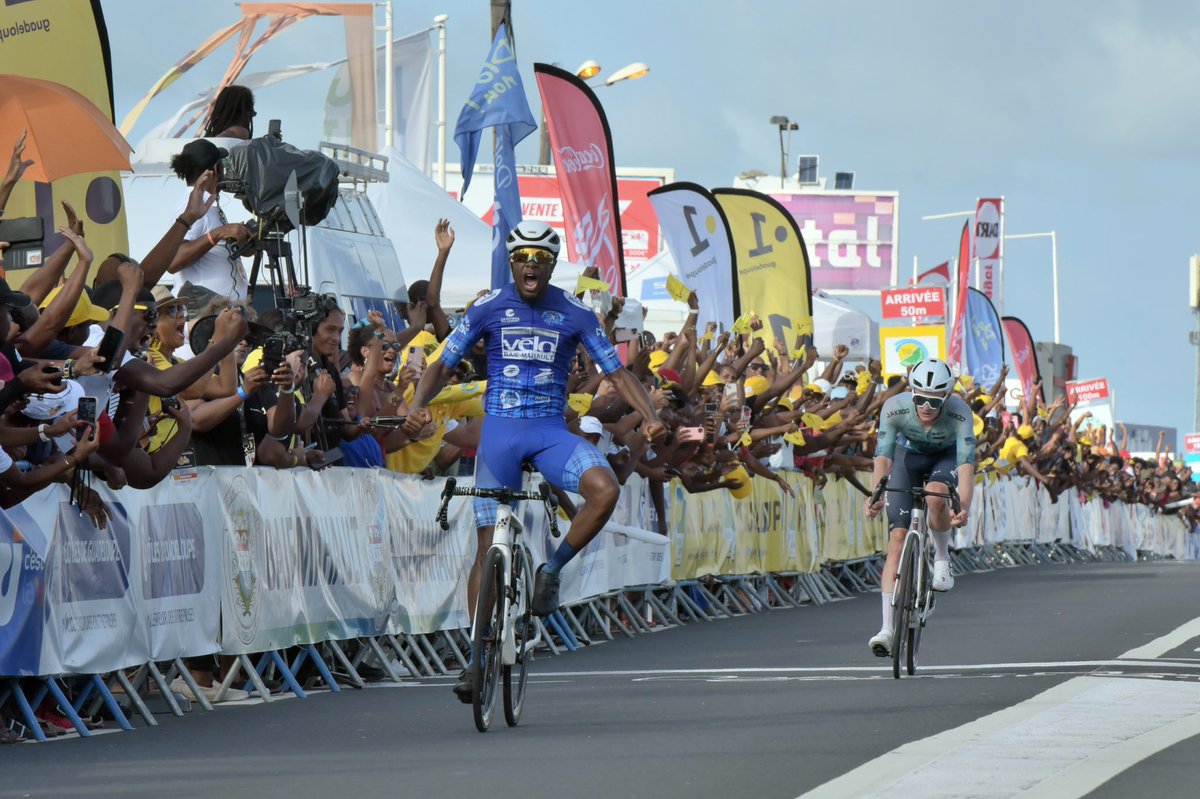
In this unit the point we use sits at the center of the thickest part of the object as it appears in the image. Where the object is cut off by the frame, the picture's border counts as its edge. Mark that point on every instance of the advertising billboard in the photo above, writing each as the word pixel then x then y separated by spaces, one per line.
pixel 906 305
pixel 851 236
pixel 541 200
pixel 905 347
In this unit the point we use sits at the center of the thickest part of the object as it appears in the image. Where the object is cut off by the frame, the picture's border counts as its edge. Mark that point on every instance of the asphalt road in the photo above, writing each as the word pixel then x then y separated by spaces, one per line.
pixel 770 705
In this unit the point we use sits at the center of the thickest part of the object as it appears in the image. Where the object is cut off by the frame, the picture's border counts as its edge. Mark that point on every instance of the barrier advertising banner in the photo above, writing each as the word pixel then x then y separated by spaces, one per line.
pixel 583 161
pixel 904 347
pixel 1191 456
pixel 1024 355
pixel 697 234
pixel 927 302
pixel 989 247
pixel 962 282
pixel 984 339
pixel 851 237
pixel 774 280
pixel 1093 398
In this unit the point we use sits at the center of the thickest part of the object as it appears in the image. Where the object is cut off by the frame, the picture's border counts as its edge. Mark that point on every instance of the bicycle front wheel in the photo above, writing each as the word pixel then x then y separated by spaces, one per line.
pixel 917 622
pixel 905 597
pixel 521 619
pixel 485 641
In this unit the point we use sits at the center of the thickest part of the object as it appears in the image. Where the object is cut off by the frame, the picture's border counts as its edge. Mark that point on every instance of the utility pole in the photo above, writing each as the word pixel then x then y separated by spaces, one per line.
pixel 1194 336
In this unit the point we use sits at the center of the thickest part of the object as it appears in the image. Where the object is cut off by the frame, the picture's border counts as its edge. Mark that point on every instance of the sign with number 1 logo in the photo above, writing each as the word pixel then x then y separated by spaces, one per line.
pixel 774 279
pixel 696 233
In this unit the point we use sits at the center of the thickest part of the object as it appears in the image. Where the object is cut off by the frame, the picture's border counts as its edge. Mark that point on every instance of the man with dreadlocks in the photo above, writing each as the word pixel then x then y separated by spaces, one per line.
pixel 232 115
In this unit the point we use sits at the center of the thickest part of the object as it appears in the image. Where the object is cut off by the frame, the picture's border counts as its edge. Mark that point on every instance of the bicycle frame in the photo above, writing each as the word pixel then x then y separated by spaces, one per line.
pixel 505 534
pixel 917 527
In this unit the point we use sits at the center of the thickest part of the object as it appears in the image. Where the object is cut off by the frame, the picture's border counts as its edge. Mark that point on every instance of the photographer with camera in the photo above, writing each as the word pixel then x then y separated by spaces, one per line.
pixel 200 260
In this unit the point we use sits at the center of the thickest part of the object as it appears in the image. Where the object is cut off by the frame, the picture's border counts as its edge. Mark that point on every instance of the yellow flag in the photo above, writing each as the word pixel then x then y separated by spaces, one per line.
pixel 590 284
pixel 678 291
pixel 804 328
pixel 796 439
pixel 812 421
pixel 772 262
pixel 834 418
pixel 580 403
pixel 742 324
pixel 801 353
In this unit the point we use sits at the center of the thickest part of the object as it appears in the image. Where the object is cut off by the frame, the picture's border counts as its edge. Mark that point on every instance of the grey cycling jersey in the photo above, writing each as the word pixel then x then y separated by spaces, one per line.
pixel 898 424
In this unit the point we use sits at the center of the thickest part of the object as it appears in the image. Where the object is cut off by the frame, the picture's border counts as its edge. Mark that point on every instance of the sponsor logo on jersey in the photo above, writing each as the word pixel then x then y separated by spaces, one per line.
pixel 509 400
pixel 897 412
pixel 553 317
pixel 571 298
pixel 528 344
pixel 509 313
pixel 958 417
pixel 543 377
pixel 512 370
pixel 486 298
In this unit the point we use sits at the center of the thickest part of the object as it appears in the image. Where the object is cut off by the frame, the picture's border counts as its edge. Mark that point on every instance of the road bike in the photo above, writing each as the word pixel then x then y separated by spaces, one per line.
pixel 913 595
pixel 504 634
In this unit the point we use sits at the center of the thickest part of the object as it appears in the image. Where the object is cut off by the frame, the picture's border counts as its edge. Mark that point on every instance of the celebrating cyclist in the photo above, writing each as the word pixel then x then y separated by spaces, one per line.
pixel 532 331
pixel 926 437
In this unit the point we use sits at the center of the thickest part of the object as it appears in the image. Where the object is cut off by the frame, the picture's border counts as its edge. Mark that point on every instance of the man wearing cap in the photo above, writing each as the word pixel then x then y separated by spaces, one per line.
pixel 200 261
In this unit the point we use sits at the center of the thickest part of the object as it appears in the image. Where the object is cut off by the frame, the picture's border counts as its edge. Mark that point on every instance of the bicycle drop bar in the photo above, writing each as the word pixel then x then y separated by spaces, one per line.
pixel 917 493
pixel 505 496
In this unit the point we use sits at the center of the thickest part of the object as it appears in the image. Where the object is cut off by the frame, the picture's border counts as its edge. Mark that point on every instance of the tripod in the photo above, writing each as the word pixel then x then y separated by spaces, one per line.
pixel 276 251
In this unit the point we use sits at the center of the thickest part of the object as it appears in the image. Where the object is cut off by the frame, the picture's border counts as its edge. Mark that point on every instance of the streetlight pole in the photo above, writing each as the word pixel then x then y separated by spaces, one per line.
pixel 784 124
pixel 1053 236
pixel 440 22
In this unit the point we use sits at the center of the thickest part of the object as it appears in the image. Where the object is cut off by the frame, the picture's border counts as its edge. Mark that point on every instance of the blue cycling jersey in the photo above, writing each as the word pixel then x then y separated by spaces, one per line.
pixel 529 349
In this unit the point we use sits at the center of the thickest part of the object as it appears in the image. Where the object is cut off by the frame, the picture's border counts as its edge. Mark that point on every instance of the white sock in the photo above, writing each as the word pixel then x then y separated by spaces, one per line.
pixel 941 544
pixel 887 610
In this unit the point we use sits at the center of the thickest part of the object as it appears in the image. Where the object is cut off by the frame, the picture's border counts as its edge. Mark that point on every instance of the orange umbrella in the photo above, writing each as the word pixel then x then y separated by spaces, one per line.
pixel 68 135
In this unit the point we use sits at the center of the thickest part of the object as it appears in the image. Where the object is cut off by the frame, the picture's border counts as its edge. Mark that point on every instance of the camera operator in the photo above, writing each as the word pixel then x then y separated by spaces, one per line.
pixel 201 260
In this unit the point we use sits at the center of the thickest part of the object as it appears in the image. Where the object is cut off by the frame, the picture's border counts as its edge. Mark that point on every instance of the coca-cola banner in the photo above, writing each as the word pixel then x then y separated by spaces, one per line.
pixel 960 291
pixel 1024 356
pixel 583 160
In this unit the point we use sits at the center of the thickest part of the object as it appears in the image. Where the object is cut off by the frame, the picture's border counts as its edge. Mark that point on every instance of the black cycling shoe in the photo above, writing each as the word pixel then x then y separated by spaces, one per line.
pixel 462 688
pixel 545 593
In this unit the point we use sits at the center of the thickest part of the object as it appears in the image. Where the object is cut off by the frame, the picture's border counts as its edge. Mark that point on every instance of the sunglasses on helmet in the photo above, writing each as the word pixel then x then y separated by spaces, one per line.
pixel 533 255
pixel 934 403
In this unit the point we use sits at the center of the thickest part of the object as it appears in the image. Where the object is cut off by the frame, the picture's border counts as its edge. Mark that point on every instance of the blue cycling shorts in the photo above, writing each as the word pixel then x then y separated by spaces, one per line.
pixel 505 444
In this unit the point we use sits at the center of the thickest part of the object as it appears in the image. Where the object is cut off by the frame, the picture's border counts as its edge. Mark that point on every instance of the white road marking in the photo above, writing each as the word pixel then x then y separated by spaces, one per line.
pixel 1064 742
pixel 1164 644
pixel 883 667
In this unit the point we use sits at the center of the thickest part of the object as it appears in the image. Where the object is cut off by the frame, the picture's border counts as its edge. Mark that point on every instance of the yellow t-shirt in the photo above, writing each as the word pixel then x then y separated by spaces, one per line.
pixel 168 427
pixel 413 458
pixel 1010 453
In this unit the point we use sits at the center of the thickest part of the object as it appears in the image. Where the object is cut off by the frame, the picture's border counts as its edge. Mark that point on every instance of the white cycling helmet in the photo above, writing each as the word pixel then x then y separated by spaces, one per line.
pixel 532 233
pixel 931 376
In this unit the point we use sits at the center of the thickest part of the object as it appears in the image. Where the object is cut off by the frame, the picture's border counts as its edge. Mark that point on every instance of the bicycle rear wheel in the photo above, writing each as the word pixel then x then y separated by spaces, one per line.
pixel 520 617
pixel 905 593
pixel 485 641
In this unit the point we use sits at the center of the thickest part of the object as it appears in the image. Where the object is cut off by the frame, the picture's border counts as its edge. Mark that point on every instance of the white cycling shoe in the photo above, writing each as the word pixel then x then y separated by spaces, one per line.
pixel 943 580
pixel 881 643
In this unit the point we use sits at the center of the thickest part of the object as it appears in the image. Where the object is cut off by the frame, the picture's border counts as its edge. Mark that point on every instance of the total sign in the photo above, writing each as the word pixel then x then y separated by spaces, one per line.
pixel 928 302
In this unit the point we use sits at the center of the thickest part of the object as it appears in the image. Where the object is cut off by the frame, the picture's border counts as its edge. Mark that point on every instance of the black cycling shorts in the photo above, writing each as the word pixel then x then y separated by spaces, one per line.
pixel 911 468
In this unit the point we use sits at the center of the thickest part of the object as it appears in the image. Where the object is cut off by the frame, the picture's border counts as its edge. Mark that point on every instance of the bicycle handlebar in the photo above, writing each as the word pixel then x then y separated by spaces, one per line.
pixel 918 493
pixel 505 496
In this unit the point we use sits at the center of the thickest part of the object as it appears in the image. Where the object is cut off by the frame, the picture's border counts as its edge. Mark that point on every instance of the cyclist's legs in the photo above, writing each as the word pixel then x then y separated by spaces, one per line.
pixel 497 465
pixel 943 475
pixel 572 464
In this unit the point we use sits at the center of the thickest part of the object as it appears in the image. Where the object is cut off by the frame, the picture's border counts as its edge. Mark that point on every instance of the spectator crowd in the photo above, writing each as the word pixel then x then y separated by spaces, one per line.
pixel 108 372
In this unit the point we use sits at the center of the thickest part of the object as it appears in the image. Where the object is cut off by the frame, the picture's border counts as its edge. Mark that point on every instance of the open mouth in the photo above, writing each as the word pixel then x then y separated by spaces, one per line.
pixel 530 281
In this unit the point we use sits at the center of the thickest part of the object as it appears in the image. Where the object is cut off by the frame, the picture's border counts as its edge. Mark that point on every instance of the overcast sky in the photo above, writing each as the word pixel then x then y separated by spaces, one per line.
pixel 1083 115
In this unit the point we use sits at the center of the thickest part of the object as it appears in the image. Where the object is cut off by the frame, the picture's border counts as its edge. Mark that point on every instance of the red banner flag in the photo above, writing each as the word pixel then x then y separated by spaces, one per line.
pixel 1024 355
pixel 941 271
pixel 960 290
pixel 583 160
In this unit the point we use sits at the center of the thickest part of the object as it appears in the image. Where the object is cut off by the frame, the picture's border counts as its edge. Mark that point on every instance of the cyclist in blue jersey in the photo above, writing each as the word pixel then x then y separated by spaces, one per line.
pixel 532 331
pixel 926 437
